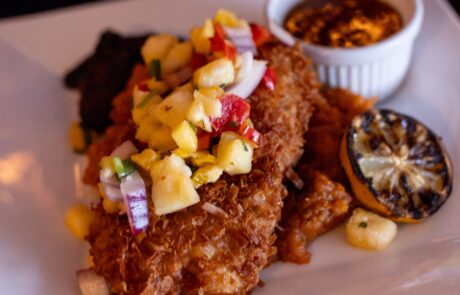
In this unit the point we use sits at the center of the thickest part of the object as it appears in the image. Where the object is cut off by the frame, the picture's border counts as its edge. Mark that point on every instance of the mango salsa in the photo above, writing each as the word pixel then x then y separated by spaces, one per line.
pixel 77 220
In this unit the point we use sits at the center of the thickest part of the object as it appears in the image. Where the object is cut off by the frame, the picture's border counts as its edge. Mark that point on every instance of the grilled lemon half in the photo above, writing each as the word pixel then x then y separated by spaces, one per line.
pixel 396 165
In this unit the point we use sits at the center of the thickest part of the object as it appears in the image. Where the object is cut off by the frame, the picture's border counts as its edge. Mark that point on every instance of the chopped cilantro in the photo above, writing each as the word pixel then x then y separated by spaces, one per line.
pixel 245 146
pixel 123 167
pixel 192 125
pixel 363 224
pixel 146 99
pixel 234 124
pixel 155 68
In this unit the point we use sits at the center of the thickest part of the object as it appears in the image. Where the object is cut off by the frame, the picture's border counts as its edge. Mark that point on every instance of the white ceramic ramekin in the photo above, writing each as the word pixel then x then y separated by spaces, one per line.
pixel 374 70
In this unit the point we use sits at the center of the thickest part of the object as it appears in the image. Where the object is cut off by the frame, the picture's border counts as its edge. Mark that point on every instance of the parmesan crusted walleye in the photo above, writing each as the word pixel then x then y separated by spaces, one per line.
pixel 222 243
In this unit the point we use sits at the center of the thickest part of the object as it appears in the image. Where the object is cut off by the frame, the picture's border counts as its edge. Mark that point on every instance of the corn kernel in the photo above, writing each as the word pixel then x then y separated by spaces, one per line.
pixel 77 220
pixel 90 261
pixel 77 138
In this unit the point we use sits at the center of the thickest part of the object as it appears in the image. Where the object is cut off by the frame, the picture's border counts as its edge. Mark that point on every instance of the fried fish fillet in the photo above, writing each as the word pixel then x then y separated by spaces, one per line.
pixel 219 245
pixel 324 202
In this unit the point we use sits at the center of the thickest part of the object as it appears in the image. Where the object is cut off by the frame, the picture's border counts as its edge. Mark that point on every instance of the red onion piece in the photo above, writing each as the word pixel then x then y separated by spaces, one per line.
pixel 242 38
pixel 125 150
pixel 135 197
pixel 91 284
pixel 248 84
pixel 110 185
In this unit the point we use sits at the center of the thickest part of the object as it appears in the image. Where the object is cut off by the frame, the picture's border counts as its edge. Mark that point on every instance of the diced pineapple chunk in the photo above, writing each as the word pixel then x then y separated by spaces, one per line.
pixel 198 116
pixel 200 37
pixel 209 97
pixel 172 188
pixel 370 231
pixel 145 159
pixel 174 108
pixel 178 57
pixel 234 153
pixel 208 28
pixel 160 87
pixel 90 261
pixel 142 102
pixel 157 47
pixel 77 220
pixel 216 73
pixel 185 137
pixel 201 44
pixel 206 174
pixel 202 158
pixel 157 135
pixel 181 153
pixel 226 18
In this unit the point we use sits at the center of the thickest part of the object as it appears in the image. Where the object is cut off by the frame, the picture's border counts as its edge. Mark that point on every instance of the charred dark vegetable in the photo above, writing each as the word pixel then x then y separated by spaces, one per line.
pixel 103 75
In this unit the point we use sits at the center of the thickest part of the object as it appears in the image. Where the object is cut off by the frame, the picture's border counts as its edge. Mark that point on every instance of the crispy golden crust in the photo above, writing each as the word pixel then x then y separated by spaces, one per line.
pixel 324 203
pixel 194 251
pixel 318 209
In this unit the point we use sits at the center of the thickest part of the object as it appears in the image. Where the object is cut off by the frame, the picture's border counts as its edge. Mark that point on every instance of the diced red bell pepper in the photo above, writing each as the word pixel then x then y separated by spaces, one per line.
pixel 260 35
pixel 269 79
pixel 143 86
pixel 204 140
pixel 219 43
pixel 249 132
pixel 235 111
pixel 198 60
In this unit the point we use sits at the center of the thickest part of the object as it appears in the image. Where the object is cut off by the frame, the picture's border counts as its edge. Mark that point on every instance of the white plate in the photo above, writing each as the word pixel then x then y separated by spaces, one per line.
pixel 37 169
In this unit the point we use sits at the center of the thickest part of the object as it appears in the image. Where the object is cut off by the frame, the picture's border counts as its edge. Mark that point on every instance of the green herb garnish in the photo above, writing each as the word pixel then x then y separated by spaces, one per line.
pixel 155 69
pixel 234 124
pixel 363 224
pixel 123 167
pixel 128 168
pixel 192 125
pixel 245 146
pixel 146 99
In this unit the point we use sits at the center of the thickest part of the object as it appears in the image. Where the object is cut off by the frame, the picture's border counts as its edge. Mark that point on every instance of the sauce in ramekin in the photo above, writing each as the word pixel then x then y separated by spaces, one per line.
pixel 343 23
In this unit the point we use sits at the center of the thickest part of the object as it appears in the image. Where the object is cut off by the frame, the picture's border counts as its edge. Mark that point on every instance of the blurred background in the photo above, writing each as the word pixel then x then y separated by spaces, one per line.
pixel 9 8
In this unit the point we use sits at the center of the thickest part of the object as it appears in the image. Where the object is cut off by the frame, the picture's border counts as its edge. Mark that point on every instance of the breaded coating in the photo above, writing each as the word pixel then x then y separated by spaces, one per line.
pixel 323 205
pixel 219 245
pixel 324 202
